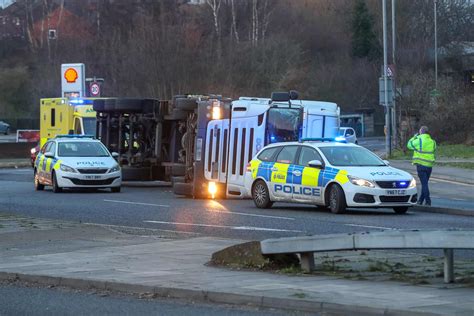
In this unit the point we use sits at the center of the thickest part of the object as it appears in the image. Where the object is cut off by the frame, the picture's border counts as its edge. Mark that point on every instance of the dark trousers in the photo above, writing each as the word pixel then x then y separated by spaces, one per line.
pixel 424 174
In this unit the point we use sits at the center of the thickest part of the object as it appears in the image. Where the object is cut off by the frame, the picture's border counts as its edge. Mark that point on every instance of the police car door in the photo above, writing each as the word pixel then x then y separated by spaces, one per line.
pixel 43 163
pixel 305 178
pixel 281 177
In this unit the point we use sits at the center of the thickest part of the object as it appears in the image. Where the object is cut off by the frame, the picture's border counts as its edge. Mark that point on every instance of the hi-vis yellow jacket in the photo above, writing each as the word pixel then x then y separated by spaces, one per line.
pixel 424 148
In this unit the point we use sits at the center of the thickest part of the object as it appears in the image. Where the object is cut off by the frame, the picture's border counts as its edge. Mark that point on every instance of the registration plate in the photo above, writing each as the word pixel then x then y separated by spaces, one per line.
pixel 396 192
pixel 93 177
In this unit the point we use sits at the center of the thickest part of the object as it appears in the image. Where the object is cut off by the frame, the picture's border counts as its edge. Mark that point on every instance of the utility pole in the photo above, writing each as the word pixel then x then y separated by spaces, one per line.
pixel 394 109
pixel 388 143
pixel 436 45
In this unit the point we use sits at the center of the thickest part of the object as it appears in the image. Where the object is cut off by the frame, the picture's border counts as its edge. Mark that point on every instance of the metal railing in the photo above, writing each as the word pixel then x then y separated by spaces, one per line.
pixel 306 246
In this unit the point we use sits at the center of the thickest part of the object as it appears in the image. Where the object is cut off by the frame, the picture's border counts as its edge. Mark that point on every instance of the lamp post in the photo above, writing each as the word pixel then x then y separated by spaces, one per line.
pixel 388 145
pixel 394 111
pixel 436 45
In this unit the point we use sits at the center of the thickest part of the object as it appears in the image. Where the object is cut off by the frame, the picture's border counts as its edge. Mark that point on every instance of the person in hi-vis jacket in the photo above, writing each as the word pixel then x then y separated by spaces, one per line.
pixel 424 148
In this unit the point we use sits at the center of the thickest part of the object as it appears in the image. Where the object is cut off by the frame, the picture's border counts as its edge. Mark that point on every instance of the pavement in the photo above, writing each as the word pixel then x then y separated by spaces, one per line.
pixel 81 256
pixel 15 163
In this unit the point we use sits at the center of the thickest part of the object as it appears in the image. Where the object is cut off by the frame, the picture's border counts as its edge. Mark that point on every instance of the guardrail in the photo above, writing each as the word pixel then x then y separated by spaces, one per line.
pixel 306 246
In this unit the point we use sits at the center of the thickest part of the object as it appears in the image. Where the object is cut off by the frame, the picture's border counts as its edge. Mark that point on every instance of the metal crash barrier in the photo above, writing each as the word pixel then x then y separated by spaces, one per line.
pixel 306 246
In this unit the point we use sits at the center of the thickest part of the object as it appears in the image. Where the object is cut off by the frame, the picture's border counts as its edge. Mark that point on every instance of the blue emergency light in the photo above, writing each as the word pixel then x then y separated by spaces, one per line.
pixel 323 139
pixel 75 136
pixel 81 101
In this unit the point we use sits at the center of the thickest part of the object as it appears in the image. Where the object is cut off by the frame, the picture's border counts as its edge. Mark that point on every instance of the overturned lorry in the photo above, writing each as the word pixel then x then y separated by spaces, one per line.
pixel 203 143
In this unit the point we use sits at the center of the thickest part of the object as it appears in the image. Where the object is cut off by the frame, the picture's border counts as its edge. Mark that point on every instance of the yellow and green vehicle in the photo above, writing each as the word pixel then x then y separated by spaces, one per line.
pixel 60 116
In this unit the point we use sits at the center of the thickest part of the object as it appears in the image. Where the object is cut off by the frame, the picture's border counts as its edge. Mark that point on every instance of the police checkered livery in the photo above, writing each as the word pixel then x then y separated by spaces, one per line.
pixel 76 162
pixel 328 174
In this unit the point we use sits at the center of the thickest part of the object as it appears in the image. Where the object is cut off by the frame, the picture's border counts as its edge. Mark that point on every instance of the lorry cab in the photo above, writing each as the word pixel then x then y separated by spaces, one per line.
pixel 231 142
pixel 64 116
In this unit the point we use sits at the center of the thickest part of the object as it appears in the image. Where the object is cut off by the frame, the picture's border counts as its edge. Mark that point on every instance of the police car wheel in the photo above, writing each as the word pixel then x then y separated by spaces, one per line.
pixel 261 195
pixel 337 200
pixel 115 189
pixel 400 209
pixel 56 187
pixel 38 185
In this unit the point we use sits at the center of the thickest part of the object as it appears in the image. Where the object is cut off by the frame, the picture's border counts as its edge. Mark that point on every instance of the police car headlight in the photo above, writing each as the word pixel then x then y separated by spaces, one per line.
pixel 412 183
pixel 66 168
pixel 361 182
pixel 114 169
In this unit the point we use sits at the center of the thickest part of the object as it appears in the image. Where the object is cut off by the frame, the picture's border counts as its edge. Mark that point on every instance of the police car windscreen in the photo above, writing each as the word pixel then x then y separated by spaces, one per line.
pixel 89 125
pixel 351 156
pixel 82 149
pixel 283 125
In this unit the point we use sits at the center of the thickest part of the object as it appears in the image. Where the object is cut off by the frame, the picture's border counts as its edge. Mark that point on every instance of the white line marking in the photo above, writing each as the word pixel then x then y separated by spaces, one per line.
pixel 223 226
pixel 141 228
pixel 444 180
pixel 368 226
pixel 136 203
pixel 458 199
pixel 255 215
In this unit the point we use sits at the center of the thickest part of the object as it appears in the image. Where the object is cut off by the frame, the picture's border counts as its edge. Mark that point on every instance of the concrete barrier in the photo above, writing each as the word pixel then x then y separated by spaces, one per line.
pixel 306 246
pixel 15 150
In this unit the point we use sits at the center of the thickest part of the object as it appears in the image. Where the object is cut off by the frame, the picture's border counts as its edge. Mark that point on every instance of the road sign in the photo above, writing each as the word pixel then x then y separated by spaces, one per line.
pixel 73 80
pixel 94 89
pixel 389 91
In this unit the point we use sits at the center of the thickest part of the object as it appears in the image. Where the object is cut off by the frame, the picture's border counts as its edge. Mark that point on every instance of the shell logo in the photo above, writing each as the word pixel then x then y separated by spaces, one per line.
pixel 71 75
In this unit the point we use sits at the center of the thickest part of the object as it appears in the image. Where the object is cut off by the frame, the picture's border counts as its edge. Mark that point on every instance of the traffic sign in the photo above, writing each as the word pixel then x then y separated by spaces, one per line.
pixel 94 89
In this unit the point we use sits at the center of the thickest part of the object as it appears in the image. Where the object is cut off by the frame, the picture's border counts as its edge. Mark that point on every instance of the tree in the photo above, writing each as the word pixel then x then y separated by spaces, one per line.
pixel 364 40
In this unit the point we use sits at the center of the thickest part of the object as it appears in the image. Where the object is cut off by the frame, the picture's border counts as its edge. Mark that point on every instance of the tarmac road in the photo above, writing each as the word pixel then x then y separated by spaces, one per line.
pixel 158 208
pixel 34 300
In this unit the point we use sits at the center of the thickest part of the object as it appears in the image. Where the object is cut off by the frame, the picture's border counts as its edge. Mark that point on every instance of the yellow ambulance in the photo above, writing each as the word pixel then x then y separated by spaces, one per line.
pixel 60 116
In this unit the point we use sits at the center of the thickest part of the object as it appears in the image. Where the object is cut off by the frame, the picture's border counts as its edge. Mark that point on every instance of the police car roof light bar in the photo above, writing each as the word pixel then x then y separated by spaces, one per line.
pixel 75 136
pixel 320 139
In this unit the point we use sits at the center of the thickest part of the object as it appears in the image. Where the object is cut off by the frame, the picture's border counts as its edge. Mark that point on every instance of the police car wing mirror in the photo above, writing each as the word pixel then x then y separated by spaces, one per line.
pixel 49 154
pixel 315 164
pixel 115 155
pixel 387 162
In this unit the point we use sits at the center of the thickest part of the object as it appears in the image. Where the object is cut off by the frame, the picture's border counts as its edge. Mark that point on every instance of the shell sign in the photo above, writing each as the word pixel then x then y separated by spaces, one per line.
pixel 71 75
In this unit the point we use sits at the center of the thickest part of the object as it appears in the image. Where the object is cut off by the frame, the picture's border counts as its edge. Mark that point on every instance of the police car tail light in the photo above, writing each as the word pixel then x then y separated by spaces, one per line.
pixel 361 182
pixel 249 167
pixel 212 188
pixel 412 183
pixel 33 151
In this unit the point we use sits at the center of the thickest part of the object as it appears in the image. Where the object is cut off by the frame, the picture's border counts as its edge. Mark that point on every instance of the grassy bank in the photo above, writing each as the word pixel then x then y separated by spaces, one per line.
pixel 443 151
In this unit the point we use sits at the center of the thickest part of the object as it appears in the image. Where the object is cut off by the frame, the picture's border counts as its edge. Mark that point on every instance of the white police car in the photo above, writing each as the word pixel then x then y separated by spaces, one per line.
pixel 337 175
pixel 73 161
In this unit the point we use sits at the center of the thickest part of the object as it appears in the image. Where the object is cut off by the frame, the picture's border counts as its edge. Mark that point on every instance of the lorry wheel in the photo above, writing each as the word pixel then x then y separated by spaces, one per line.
pixel 98 105
pixel 185 104
pixel 136 174
pixel 337 199
pixel 178 170
pixel 177 180
pixel 261 195
pixel 129 105
pixel 400 209
pixel 185 189
pixel 150 106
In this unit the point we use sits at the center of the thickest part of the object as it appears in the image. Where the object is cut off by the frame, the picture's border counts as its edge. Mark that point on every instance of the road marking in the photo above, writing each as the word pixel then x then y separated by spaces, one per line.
pixel 224 226
pixel 368 226
pixel 458 199
pixel 136 203
pixel 141 228
pixel 444 180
